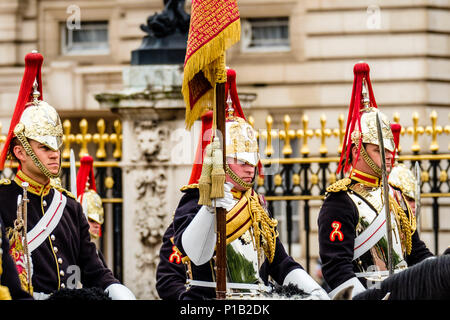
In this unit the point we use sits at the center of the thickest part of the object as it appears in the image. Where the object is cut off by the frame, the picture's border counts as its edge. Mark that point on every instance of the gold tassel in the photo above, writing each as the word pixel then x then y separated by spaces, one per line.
pixel 204 183
pixel 208 59
pixel 217 173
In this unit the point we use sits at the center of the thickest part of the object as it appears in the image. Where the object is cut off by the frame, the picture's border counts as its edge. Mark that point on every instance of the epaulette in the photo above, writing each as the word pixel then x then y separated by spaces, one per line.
pixel 5 181
pixel 189 186
pixel 61 189
pixel 340 185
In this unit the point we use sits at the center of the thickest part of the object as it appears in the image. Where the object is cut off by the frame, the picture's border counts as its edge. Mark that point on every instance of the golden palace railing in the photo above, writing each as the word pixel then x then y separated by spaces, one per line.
pixel 298 166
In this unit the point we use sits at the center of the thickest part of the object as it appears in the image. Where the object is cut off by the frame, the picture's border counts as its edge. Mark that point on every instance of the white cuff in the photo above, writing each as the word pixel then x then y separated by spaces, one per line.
pixel 306 283
pixel 117 291
pixel 227 202
pixel 357 287
pixel 199 238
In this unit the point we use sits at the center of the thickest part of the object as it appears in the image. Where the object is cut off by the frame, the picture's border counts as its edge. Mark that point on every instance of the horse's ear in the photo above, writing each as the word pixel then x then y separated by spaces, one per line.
pixel 344 294
pixel 386 297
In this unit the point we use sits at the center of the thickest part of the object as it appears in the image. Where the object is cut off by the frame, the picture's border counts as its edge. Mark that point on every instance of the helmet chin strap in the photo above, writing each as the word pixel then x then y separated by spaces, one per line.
pixel 369 161
pixel 237 179
pixel 29 150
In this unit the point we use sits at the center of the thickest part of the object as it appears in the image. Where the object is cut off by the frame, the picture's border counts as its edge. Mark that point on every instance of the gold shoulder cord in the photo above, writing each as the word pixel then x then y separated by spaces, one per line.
pixel 264 226
pixel 405 225
pixel 62 190
pixel 411 216
pixel 340 185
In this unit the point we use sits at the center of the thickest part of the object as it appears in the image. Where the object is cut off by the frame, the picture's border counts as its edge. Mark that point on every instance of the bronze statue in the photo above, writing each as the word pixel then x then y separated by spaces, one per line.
pixel 172 17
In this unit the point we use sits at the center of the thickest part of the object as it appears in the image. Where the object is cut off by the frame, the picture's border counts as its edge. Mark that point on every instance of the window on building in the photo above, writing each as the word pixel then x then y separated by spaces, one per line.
pixel 87 38
pixel 265 34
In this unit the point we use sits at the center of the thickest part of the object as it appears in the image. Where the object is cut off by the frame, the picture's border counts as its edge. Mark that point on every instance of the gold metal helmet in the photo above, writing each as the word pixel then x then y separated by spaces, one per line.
pixel 34 118
pixel 41 122
pixel 92 205
pixel 241 141
pixel 369 133
pixel 87 190
pixel 402 178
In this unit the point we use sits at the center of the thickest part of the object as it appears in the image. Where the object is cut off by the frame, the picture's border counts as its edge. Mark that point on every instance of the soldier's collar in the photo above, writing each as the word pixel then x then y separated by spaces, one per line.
pixel 365 178
pixel 34 187
pixel 236 193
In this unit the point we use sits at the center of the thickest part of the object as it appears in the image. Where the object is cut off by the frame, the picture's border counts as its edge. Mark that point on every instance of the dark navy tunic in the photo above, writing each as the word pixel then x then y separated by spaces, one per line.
pixel 171 272
pixel 67 248
pixel 336 252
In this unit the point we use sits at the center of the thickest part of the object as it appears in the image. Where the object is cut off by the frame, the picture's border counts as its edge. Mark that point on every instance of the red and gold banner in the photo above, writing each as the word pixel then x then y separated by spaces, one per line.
pixel 214 27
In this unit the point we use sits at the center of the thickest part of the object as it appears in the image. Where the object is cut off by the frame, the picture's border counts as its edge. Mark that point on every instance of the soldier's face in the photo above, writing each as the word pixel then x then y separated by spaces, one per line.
pixel 94 228
pixel 243 170
pixel 48 157
pixel 412 204
pixel 373 151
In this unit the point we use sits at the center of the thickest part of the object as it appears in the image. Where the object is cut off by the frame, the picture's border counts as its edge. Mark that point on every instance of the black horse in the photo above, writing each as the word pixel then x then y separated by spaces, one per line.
pixel 427 280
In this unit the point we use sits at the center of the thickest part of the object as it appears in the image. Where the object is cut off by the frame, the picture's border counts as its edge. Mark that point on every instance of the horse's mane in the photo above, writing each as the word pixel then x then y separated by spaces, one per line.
pixel 90 294
pixel 427 280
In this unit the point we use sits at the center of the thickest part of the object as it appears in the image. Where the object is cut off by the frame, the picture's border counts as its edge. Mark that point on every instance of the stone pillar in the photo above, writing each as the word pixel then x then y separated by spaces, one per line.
pixel 156 163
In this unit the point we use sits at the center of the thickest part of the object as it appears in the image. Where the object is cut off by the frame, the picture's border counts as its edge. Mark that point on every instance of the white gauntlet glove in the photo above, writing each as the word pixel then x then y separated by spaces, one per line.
pixel 199 238
pixel 117 291
pixel 306 283
pixel 227 202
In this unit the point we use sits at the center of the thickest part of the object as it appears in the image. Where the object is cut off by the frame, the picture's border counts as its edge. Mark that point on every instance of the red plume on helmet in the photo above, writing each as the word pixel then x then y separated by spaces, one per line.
pixel 204 140
pixel 361 72
pixel 396 129
pixel 206 132
pixel 33 64
pixel 86 174
pixel 231 90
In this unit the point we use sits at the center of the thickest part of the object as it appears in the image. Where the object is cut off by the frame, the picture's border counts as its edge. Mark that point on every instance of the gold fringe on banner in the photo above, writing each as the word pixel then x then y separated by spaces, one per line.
pixel 201 72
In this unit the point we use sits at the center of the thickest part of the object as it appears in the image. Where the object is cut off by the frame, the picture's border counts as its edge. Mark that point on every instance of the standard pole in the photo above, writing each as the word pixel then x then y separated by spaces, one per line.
pixel 221 248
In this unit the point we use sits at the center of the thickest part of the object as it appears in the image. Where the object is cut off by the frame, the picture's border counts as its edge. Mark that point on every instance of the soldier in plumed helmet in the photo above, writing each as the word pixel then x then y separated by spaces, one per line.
pixel 353 238
pixel 90 200
pixel 254 250
pixel 48 232
pixel 404 190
